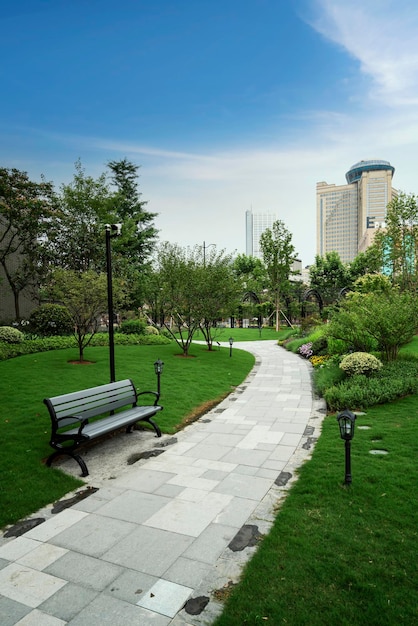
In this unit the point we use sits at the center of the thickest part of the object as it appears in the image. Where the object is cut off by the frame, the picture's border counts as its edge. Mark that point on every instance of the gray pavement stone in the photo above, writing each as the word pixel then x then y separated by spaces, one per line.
pixel 12 611
pixel 108 611
pixel 105 531
pixel 68 601
pixel 84 570
pixel 131 585
pixel 148 550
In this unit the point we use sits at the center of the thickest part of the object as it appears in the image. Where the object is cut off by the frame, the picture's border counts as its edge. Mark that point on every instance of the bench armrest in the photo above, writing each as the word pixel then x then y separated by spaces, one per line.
pixel 83 421
pixel 155 393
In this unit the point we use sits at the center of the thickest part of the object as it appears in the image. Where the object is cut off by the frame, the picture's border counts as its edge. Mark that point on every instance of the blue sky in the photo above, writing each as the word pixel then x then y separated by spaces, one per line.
pixel 225 104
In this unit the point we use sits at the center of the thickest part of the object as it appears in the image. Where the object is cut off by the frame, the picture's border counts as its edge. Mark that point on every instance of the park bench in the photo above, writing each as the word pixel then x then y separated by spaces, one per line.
pixel 115 406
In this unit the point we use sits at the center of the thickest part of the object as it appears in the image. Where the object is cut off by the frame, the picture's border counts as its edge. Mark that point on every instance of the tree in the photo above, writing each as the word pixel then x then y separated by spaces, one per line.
pixel 26 209
pixel 133 248
pixel 368 262
pixel 76 237
pixel 329 275
pixel 399 241
pixel 84 294
pixel 219 290
pixel 278 255
pixel 179 293
pixel 385 319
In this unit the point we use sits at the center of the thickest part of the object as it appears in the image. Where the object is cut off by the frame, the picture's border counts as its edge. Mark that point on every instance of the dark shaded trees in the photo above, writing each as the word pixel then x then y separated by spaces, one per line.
pixel 27 209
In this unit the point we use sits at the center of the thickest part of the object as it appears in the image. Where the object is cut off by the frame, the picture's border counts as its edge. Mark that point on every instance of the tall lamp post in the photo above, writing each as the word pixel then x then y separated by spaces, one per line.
pixel 112 230
pixel 205 247
pixel 346 421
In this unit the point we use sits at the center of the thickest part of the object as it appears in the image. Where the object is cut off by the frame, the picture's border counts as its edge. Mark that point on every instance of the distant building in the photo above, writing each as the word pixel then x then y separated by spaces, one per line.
pixel 255 225
pixel 347 215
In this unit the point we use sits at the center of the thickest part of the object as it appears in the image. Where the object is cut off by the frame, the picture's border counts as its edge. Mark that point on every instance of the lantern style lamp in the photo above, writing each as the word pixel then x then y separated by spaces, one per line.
pixel 346 420
pixel 231 341
pixel 158 367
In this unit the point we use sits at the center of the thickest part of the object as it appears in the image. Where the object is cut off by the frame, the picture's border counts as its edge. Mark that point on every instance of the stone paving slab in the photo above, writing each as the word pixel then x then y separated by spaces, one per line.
pixel 159 536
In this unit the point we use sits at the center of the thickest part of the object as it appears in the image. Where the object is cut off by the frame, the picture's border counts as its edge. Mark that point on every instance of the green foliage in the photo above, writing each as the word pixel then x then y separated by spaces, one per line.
pixel 51 319
pixel 360 363
pixel 329 275
pixel 26 209
pixel 136 326
pixel 328 375
pixel 320 346
pixel 278 254
pixel 376 321
pixel 151 330
pixel 399 241
pixel 8 334
pixel 392 381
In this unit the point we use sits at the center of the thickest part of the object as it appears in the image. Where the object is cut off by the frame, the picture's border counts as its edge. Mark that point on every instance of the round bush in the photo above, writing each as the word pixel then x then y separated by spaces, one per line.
pixel 132 327
pixel 151 330
pixel 51 319
pixel 360 363
pixel 8 334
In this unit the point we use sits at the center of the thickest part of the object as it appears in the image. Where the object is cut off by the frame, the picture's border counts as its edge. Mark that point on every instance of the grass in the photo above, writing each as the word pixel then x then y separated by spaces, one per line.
pixel 189 386
pixel 339 554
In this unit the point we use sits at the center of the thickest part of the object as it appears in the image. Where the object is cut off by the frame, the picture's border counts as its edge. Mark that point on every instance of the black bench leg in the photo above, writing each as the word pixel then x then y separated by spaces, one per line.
pixel 154 425
pixel 76 457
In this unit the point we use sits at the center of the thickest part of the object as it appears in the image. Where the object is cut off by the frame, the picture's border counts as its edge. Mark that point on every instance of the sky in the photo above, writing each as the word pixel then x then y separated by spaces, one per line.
pixel 226 105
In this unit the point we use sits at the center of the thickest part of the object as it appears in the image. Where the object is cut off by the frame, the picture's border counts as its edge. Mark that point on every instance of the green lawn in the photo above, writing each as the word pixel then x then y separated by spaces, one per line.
pixel 337 554
pixel 189 386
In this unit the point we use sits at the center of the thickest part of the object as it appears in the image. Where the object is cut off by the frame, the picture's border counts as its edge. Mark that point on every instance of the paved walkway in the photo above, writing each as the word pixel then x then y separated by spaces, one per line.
pixel 154 545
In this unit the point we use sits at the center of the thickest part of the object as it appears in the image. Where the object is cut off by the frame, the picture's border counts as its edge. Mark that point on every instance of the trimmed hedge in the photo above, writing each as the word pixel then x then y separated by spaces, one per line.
pixel 30 346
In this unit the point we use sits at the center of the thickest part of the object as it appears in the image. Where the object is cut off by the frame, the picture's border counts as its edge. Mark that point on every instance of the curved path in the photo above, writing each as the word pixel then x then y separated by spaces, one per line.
pixel 154 544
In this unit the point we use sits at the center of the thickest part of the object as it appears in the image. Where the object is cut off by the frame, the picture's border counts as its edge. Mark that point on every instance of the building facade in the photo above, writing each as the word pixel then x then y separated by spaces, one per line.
pixel 347 215
pixel 255 225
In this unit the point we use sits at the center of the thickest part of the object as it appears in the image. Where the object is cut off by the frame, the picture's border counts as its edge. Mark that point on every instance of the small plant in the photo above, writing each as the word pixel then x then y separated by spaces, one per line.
pixel 8 334
pixel 305 350
pixel 319 361
pixel 360 363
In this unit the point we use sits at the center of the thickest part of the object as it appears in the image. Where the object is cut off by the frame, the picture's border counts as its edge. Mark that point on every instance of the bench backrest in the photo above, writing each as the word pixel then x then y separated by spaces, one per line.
pixel 91 402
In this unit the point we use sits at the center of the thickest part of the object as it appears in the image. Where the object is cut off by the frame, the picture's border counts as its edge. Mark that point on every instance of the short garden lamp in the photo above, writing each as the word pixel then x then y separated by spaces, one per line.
pixel 158 367
pixel 231 341
pixel 346 420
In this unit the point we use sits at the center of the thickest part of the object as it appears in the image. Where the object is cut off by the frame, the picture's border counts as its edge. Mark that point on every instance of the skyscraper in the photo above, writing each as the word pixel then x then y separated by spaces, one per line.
pixel 347 215
pixel 255 225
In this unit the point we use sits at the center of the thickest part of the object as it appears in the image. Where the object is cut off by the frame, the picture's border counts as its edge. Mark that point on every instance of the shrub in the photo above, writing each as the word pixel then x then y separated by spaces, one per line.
pixel 360 363
pixel 50 320
pixel 306 350
pixel 392 381
pixel 8 334
pixel 320 346
pixel 151 330
pixel 133 327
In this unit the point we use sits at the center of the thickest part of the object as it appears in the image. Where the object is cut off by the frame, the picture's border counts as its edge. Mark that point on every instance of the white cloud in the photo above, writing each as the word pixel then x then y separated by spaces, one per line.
pixel 381 35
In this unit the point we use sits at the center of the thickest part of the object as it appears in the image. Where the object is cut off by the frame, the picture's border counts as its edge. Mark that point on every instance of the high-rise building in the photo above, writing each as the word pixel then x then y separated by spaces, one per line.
pixel 255 225
pixel 347 215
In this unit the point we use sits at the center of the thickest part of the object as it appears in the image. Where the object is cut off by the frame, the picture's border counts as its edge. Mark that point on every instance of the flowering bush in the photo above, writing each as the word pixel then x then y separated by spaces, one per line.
pixel 8 334
pixel 360 363
pixel 318 361
pixel 306 350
